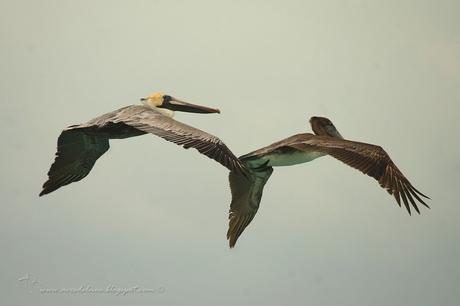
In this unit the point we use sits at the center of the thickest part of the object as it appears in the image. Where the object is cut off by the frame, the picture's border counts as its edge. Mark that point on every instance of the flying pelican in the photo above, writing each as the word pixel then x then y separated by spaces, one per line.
pixel 79 146
pixel 369 159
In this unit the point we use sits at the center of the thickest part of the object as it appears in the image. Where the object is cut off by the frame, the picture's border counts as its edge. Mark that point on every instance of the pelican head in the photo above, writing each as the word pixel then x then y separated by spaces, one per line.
pixel 324 126
pixel 160 100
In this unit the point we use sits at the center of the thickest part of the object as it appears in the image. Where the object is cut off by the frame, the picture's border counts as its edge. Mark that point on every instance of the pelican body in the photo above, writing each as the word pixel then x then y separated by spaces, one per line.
pixel 369 159
pixel 79 146
pixel 281 154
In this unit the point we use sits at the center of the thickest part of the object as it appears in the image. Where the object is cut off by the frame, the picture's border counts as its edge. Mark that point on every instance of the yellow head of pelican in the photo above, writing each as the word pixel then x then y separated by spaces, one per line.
pixel 160 100
pixel 324 126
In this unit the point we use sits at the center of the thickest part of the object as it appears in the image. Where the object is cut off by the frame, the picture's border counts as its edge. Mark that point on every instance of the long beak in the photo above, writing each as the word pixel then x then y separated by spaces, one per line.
pixel 181 106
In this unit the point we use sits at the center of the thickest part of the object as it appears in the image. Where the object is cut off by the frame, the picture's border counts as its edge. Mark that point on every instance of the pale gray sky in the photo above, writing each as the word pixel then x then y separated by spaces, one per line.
pixel 153 215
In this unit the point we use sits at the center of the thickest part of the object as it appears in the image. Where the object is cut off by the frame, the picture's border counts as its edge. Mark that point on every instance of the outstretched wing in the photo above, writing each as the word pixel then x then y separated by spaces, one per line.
pixel 371 160
pixel 151 121
pixel 76 155
pixel 246 196
pixel 79 146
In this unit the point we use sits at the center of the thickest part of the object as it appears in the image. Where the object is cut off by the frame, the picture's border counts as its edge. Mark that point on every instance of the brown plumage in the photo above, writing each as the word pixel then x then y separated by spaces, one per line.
pixel 79 146
pixel 246 195
pixel 369 159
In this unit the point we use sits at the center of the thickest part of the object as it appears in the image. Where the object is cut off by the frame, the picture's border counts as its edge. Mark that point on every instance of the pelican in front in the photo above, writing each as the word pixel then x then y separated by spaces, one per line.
pixel 79 146
pixel 367 158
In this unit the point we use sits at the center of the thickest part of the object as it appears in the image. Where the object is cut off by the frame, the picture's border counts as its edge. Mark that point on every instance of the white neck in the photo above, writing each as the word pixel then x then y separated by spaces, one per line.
pixel 167 112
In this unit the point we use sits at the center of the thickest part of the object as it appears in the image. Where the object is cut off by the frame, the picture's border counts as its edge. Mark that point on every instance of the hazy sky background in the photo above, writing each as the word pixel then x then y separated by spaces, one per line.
pixel 153 215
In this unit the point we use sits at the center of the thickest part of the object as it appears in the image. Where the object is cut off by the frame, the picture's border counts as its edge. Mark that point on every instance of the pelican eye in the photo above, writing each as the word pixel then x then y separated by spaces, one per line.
pixel 167 98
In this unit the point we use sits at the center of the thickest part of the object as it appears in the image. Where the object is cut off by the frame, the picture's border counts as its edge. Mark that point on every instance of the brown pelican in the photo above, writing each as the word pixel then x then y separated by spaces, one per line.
pixel 369 159
pixel 79 146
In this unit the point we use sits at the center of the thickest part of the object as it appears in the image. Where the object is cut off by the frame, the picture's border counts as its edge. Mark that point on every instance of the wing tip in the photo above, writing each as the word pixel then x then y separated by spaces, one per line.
pixel 231 237
pixel 231 243
pixel 45 191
